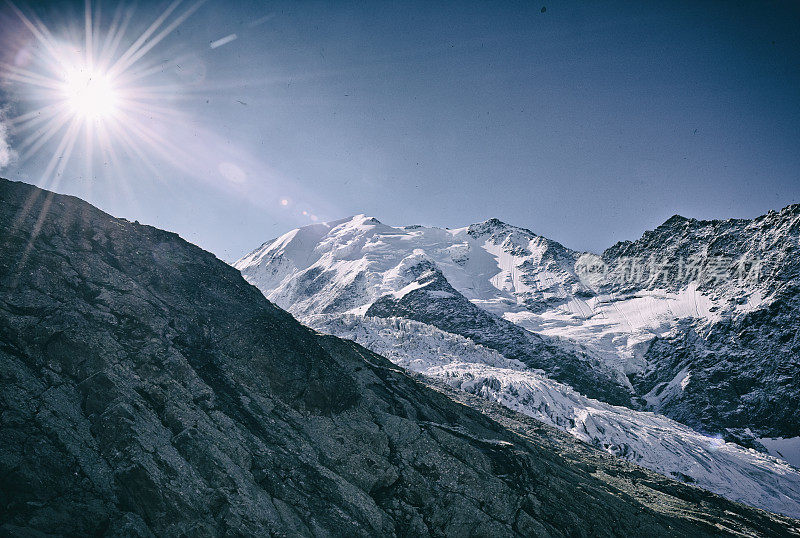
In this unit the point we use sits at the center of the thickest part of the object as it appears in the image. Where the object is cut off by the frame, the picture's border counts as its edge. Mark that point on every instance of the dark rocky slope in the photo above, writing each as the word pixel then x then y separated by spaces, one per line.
pixel 146 388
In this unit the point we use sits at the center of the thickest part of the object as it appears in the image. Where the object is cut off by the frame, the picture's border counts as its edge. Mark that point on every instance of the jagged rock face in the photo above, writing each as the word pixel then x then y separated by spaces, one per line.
pixel 740 362
pixel 146 388
pixel 772 239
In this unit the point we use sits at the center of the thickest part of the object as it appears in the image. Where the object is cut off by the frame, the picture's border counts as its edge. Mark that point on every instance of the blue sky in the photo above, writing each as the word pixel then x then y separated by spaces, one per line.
pixel 588 123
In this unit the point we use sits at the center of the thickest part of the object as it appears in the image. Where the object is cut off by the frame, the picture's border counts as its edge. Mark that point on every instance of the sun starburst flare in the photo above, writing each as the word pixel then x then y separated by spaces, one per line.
pixel 93 87
pixel 90 94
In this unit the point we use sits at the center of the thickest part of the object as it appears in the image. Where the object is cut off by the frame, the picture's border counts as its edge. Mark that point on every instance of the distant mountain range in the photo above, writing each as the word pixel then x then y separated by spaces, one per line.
pixel 679 351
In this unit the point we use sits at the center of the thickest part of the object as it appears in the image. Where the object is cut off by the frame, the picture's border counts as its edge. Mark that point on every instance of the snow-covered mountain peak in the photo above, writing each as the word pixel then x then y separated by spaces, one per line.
pixel 492 263
pixel 675 220
pixel 489 226
pixel 791 209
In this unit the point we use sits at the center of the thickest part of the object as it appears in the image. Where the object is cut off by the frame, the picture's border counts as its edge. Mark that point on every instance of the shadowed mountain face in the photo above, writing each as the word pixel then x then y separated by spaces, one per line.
pixel 741 360
pixel 146 388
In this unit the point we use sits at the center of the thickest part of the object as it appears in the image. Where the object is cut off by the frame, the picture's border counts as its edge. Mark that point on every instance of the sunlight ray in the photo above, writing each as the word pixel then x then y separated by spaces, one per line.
pixel 88 33
pixel 158 142
pixel 143 72
pixel 89 133
pixel 133 146
pixel 23 75
pixel 108 153
pixel 72 137
pixel 34 118
pixel 114 37
pixel 39 30
pixel 34 234
pixel 35 114
pixel 152 111
pixel 67 141
pixel 165 32
pixel 116 67
pixel 35 141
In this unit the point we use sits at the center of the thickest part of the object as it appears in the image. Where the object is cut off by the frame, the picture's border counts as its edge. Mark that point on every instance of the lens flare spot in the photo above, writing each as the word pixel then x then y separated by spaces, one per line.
pixel 232 173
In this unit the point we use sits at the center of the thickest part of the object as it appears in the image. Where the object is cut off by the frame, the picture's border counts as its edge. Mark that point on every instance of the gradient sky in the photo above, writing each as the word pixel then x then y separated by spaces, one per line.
pixel 588 123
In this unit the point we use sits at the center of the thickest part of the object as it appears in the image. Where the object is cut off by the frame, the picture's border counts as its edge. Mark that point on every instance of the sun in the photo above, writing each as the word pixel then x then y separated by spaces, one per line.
pixel 89 94
pixel 99 92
